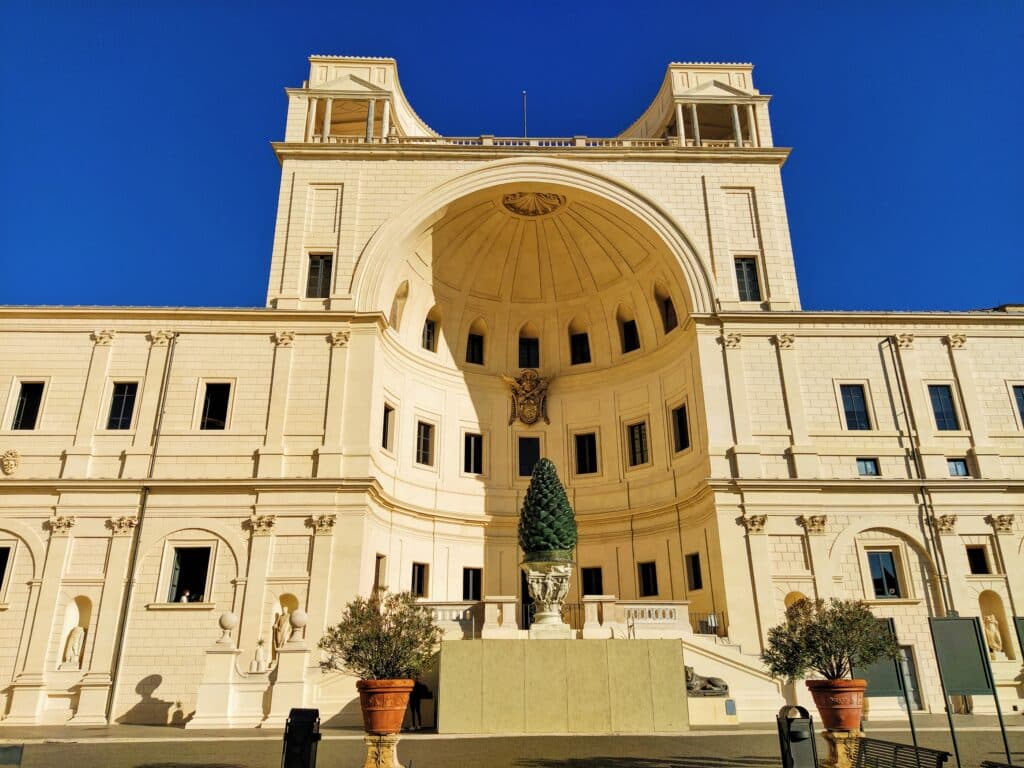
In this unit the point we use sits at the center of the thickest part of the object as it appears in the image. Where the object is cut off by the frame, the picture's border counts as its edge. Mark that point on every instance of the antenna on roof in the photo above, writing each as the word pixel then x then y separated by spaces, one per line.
pixel 524 114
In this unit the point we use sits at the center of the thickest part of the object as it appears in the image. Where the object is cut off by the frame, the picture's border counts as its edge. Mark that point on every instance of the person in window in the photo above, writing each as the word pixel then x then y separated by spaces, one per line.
pixel 186 597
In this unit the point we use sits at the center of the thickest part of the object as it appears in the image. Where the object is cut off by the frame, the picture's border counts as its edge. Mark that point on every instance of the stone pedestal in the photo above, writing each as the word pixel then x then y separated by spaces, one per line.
pixel 842 748
pixel 381 752
pixel 214 697
pixel 289 688
pixel 548 582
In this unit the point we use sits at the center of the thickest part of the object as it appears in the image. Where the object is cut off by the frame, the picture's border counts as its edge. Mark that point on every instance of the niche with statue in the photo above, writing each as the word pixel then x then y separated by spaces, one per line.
pixel 77 616
pixel 997 629
pixel 281 628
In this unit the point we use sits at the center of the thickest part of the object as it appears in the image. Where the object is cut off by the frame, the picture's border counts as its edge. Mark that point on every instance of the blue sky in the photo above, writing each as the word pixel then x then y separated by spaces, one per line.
pixel 136 166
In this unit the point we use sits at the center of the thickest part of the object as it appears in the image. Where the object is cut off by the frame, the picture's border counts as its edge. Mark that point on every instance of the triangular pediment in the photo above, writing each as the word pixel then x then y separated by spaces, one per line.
pixel 350 83
pixel 716 88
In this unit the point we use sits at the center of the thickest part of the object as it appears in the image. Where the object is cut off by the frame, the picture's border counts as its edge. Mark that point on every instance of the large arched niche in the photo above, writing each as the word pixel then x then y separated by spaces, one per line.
pixel 381 266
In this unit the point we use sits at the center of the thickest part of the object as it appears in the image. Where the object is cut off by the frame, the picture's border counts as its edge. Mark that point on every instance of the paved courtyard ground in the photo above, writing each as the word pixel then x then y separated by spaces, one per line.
pixel 755 746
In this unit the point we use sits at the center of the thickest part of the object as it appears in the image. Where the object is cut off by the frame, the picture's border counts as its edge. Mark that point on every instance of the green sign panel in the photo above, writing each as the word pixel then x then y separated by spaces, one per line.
pixel 884 678
pixel 962 656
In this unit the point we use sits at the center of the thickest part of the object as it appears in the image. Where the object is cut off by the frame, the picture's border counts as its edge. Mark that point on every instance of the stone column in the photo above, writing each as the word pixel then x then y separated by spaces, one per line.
pixel 311 102
pixel 751 127
pixel 986 457
pixel 932 457
pixel 805 456
pixel 680 125
pixel 28 691
pixel 328 463
pixel 261 530
pixel 138 457
pixel 696 124
pixel 78 456
pixel 98 679
pixel 326 130
pixel 385 121
pixel 746 455
pixel 371 104
pixel 271 455
pixel 737 131
pixel 817 547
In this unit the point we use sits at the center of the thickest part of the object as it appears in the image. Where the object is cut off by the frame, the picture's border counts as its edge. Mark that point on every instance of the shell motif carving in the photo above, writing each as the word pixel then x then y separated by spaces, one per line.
pixel 10 460
pixel 533 203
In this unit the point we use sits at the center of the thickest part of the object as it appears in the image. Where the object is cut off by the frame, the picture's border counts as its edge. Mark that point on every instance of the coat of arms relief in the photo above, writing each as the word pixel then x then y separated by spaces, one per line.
pixel 529 396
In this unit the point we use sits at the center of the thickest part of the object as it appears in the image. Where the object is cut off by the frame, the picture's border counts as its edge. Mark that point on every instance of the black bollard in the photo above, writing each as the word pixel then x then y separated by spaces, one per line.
pixel 301 734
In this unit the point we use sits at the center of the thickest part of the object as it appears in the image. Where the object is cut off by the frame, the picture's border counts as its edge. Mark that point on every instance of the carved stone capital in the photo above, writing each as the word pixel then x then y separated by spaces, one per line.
pixel 322 525
pixel 103 338
pixel 813 524
pixel 160 338
pixel 945 524
pixel 10 460
pixel 261 525
pixel 905 340
pixel 732 340
pixel 956 341
pixel 284 338
pixel 1001 523
pixel 59 525
pixel 754 523
pixel 784 340
pixel 122 526
pixel 339 338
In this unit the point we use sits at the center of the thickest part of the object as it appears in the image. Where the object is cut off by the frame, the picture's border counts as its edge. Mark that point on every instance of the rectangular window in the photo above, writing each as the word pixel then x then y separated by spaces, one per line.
pixel 648 579
pixel 387 437
pixel 668 314
pixel 473 460
pixel 318 285
pixel 424 443
pixel 694 579
pixel 188 575
pixel 593 581
pixel 380 572
pixel 5 559
pixel 122 405
pixel 746 279
pixel 472 583
pixel 579 348
pixel 958 468
pixel 977 559
pixel 943 407
pixel 26 412
pixel 637 435
pixel 867 467
pixel 680 429
pixel 475 349
pixel 1018 395
pixel 429 340
pixel 529 455
pixel 630 336
pixel 586 453
pixel 419 579
pixel 529 352
pixel 855 406
pixel 883 574
pixel 215 406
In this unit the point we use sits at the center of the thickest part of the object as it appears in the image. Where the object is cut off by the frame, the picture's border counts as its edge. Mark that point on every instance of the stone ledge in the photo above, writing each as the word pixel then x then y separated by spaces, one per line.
pixel 180 606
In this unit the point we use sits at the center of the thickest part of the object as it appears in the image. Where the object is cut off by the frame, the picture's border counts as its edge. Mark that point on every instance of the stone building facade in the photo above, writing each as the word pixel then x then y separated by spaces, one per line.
pixel 725 451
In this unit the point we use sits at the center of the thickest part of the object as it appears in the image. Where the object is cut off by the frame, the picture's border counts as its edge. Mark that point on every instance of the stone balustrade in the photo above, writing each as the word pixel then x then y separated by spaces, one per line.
pixel 460 620
pixel 543 143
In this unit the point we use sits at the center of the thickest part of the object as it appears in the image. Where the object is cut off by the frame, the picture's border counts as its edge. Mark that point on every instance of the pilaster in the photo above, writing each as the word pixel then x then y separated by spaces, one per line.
pixel 79 455
pixel 137 458
pixel 328 460
pixel 815 527
pixel 806 463
pixel 761 573
pixel 932 457
pixel 271 455
pixel 322 527
pixel 986 457
pixel 746 455
pixel 261 538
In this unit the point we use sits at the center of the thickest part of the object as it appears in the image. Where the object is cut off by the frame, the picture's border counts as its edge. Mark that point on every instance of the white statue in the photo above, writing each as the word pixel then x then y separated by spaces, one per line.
pixel 282 630
pixel 993 636
pixel 73 649
pixel 259 662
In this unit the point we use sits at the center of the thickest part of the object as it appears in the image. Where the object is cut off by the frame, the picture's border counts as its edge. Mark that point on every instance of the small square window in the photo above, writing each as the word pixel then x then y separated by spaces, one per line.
pixel 586 453
pixel 638 450
pixel 26 412
pixel 419 579
pixel 630 336
pixel 188 575
pixel 855 406
pixel 529 455
pixel 648 579
pixel 943 407
pixel 472 583
pixel 387 437
pixel 867 467
pixel 475 349
pixel 579 348
pixel 122 405
pixel 318 283
pixel 884 577
pixel 694 578
pixel 592 580
pixel 424 443
pixel 977 559
pixel 215 406
pixel 680 429
pixel 746 279
pixel 529 352
pixel 958 468
pixel 473 458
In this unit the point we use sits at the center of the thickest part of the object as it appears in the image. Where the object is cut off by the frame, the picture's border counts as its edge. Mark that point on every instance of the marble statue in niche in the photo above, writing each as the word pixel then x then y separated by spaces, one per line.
pixel 73 649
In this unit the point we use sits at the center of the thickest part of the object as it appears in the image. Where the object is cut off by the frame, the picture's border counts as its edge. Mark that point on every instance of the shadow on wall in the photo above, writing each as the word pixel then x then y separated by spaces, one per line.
pixel 349 716
pixel 150 710
pixel 697 761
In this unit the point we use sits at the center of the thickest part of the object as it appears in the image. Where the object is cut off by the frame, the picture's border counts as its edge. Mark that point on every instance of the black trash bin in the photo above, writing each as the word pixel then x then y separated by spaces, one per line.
pixel 301 734
pixel 796 738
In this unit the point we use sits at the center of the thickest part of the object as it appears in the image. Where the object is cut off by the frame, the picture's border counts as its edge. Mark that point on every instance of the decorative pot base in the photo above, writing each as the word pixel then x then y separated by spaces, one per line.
pixel 840 702
pixel 383 703
pixel 381 752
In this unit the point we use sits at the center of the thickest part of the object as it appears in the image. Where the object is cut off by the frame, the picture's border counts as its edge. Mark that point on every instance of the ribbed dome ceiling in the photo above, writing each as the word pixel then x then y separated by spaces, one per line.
pixel 531 244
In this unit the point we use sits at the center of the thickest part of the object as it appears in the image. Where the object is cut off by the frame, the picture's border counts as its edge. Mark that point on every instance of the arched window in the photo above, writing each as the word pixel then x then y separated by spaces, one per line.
pixel 579 343
pixel 629 335
pixel 667 310
pixel 398 305
pixel 431 329
pixel 529 347
pixel 475 342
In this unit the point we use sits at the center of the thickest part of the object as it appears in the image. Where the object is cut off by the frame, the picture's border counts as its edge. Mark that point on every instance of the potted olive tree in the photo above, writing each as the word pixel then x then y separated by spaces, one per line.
pixel 387 641
pixel 831 639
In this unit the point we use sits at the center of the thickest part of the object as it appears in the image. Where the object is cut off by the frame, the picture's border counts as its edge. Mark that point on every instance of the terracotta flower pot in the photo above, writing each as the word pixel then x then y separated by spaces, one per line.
pixel 383 703
pixel 840 702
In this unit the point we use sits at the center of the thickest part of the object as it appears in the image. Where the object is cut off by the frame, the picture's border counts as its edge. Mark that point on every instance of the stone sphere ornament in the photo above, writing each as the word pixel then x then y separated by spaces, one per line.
pixel 227 622
pixel 298 620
